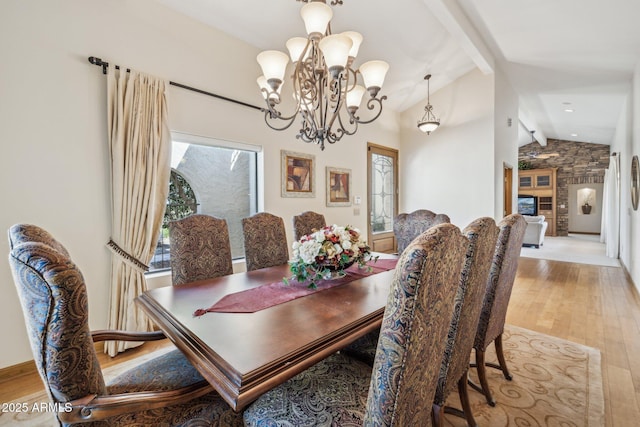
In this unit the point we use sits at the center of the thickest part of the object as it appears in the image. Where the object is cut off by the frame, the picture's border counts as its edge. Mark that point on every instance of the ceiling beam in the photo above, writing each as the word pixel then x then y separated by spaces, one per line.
pixel 451 16
pixel 531 125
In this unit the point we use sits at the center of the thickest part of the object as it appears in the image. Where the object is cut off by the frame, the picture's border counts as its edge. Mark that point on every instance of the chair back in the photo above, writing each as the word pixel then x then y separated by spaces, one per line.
pixel 501 277
pixel 482 235
pixel 306 223
pixel 200 248
pixel 20 233
pixel 408 226
pixel 265 241
pixel 414 329
pixel 53 296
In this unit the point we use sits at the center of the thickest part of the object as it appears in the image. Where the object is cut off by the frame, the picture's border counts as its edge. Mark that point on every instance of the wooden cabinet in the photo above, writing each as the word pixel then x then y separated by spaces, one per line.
pixel 537 179
pixel 542 184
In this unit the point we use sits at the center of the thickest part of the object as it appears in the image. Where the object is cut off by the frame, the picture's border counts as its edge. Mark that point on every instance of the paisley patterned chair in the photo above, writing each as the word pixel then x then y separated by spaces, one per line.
pixel 265 241
pixel 408 226
pixel 21 233
pixel 165 390
pixel 200 249
pixel 496 299
pixel 342 391
pixel 482 235
pixel 306 222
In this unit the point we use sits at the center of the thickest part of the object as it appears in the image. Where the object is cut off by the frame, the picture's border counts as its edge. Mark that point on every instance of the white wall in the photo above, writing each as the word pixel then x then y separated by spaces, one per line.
pixel 626 142
pixel 53 122
pixel 506 145
pixel 452 170
pixel 631 232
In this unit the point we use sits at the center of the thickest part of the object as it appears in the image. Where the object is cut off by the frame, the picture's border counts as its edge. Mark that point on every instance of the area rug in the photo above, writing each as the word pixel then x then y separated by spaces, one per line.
pixel 555 383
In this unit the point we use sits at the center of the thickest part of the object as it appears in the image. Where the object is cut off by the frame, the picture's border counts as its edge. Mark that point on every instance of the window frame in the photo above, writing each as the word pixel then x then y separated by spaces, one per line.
pixel 257 187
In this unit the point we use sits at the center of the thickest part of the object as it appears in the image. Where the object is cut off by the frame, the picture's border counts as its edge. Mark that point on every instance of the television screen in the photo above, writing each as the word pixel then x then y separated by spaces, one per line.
pixel 527 205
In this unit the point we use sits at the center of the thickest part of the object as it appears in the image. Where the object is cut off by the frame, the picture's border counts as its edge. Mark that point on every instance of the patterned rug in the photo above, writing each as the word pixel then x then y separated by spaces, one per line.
pixel 34 410
pixel 555 383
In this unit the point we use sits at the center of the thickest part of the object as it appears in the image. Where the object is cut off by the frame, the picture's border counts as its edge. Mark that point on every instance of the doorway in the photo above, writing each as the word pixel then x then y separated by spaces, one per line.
pixel 507 190
pixel 382 190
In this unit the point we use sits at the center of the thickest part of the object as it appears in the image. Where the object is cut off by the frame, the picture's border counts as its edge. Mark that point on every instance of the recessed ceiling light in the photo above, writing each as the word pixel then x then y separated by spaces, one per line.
pixel 568 110
pixel 574 134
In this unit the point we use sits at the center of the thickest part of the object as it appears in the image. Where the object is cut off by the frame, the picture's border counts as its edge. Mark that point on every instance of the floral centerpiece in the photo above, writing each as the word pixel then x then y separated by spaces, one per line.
pixel 331 249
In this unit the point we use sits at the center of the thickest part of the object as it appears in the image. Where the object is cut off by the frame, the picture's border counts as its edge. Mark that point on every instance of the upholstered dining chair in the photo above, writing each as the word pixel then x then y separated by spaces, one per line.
pixel 496 300
pixel 408 226
pixel 399 391
pixel 165 390
pixel 306 223
pixel 482 235
pixel 200 248
pixel 265 241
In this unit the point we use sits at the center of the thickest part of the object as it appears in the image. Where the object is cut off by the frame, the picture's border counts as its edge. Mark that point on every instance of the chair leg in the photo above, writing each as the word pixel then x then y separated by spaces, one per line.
pixel 464 401
pixel 482 376
pixel 500 354
pixel 502 364
pixel 437 414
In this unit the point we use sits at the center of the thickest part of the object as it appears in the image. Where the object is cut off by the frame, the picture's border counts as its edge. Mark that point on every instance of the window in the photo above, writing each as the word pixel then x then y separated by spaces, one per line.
pixel 211 177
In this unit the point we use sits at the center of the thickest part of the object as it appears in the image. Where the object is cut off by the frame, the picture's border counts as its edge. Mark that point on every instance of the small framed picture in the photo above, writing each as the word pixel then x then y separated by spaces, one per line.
pixel 338 186
pixel 298 174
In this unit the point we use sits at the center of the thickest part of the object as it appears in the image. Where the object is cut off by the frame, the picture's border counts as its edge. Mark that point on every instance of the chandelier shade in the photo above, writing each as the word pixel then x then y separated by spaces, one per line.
pixel 428 123
pixel 274 65
pixel 316 17
pixel 325 85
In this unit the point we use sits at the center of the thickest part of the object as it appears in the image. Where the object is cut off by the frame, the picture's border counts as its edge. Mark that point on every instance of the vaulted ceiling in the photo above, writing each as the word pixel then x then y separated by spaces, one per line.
pixel 558 55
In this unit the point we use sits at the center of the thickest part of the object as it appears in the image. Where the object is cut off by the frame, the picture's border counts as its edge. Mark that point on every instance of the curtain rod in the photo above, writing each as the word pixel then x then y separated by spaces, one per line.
pixel 99 62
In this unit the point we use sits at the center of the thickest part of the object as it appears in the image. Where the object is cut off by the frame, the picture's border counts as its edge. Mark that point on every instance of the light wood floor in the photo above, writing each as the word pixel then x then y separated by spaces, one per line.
pixel 591 305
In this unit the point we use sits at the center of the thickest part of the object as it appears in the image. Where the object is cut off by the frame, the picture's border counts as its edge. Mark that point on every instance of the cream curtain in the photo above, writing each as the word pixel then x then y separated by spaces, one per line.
pixel 610 228
pixel 140 148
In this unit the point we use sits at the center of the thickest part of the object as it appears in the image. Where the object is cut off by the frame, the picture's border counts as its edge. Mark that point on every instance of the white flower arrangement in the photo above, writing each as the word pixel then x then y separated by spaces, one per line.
pixel 332 248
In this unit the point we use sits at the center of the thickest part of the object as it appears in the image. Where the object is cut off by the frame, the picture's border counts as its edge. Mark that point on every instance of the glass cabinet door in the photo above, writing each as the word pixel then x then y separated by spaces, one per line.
pixel 526 181
pixel 543 181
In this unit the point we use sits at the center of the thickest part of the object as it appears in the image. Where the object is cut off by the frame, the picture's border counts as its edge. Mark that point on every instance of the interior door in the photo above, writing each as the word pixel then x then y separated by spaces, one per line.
pixel 382 190
pixel 508 190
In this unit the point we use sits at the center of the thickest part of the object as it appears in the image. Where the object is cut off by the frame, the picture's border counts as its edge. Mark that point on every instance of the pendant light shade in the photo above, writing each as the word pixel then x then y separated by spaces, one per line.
pixel 428 123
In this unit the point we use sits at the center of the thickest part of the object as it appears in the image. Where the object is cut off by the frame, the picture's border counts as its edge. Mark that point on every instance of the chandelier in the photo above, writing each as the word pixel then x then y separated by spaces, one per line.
pixel 428 123
pixel 325 84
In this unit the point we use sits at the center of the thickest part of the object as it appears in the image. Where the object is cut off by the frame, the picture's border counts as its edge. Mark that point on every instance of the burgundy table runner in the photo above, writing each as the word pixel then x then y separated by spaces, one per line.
pixel 271 294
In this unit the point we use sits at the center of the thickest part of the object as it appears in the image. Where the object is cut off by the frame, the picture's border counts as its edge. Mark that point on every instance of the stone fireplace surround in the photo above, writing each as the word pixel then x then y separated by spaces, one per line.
pixel 577 163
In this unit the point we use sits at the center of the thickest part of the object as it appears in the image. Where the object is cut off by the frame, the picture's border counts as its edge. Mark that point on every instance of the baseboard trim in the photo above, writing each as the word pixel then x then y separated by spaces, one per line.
pixel 13 371
pixel 590 233
pixel 29 367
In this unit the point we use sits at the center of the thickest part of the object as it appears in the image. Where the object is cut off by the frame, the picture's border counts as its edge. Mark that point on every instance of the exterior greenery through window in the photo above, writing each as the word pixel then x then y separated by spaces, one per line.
pixel 211 179
pixel 181 203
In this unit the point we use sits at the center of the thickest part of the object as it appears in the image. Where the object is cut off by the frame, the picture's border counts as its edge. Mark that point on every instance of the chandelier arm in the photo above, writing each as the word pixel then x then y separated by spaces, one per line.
pixel 268 115
pixel 371 104
pixel 336 110
pixel 353 121
pixel 333 2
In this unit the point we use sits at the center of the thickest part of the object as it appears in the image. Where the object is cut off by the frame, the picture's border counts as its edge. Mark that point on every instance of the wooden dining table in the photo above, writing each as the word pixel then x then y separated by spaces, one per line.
pixel 243 355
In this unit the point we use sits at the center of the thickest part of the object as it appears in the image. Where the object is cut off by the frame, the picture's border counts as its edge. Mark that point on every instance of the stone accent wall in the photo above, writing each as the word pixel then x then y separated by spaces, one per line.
pixel 577 163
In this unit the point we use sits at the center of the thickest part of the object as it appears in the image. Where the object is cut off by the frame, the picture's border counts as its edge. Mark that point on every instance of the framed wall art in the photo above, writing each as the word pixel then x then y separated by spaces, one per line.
pixel 338 186
pixel 298 174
